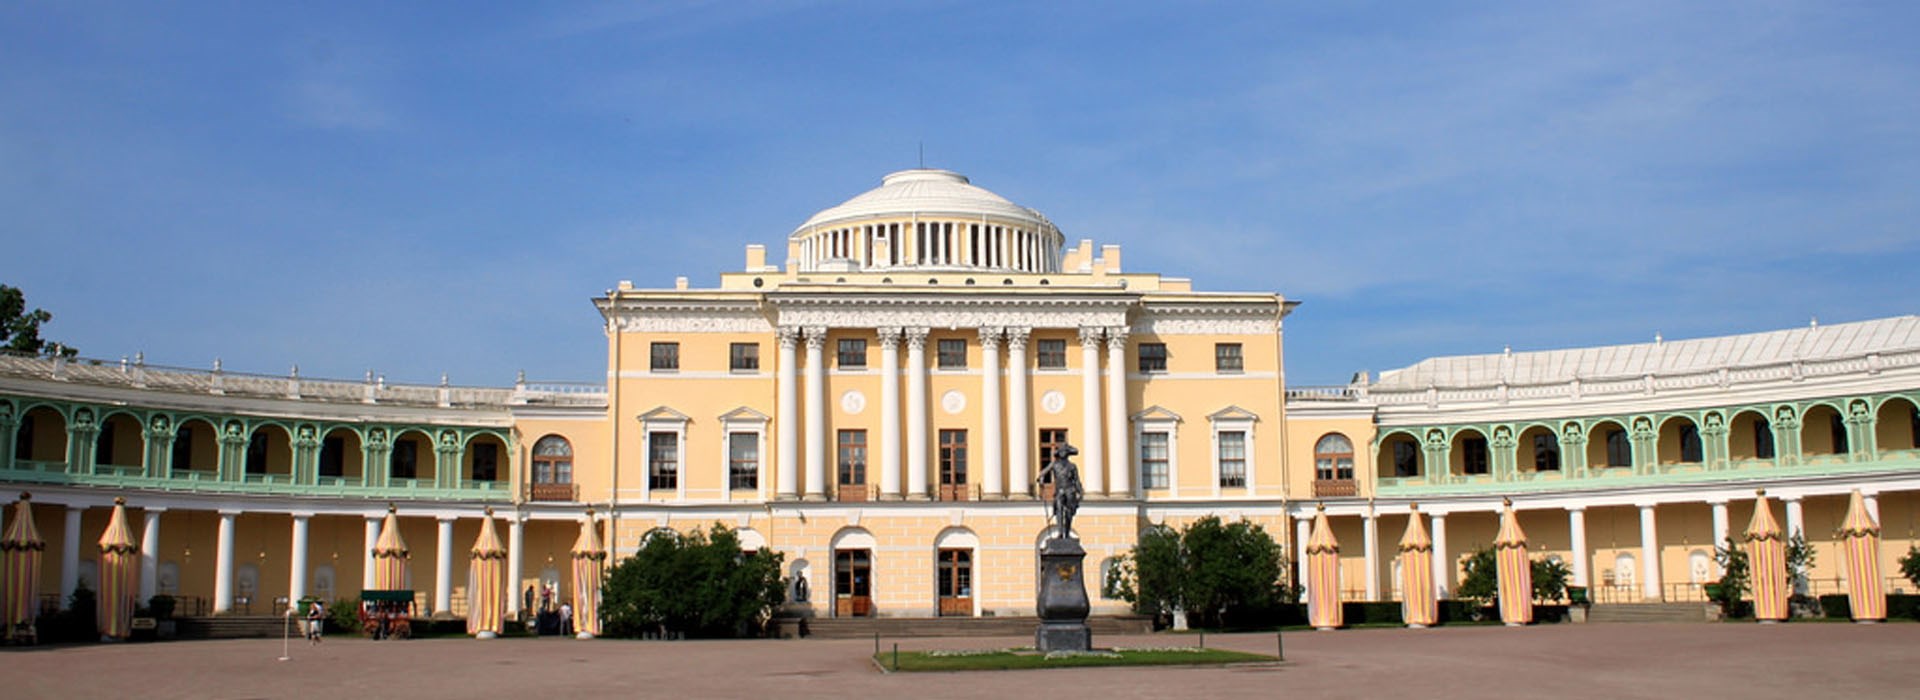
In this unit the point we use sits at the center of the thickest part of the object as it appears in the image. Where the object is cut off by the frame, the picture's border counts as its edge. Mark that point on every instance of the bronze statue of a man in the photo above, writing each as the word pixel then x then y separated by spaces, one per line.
pixel 1066 488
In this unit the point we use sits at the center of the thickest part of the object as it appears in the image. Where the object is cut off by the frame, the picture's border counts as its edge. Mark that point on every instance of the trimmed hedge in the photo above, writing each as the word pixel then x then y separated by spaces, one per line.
pixel 1904 606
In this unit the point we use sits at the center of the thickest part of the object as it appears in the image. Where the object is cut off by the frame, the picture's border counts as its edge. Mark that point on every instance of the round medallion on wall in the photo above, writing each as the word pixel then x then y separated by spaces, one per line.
pixel 853 402
pixel 953 402
pixel 1053 402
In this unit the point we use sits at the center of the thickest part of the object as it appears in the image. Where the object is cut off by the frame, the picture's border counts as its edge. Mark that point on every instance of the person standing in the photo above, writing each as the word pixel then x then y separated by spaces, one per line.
pixel 566 619
pixel 316 616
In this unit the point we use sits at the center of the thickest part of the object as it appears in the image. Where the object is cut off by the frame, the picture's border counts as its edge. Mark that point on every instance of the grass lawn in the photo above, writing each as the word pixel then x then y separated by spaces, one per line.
pixel 1005 660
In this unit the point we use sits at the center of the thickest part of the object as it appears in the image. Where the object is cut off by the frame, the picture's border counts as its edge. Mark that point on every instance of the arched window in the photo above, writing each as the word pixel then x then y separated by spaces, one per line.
pixel 552 461
pixel 1333 458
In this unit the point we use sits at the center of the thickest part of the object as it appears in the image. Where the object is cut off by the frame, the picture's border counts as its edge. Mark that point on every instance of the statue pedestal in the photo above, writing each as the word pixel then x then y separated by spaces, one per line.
pixel 1062 602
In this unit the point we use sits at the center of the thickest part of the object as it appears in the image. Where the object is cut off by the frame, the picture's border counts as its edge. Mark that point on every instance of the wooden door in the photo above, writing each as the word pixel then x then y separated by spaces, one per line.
pixel 853 583
pixel 956 582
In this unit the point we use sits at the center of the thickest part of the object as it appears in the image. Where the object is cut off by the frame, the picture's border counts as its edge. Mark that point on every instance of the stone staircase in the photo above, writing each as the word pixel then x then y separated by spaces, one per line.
pixel 895 627
pixel 1649 612
pixel 231 627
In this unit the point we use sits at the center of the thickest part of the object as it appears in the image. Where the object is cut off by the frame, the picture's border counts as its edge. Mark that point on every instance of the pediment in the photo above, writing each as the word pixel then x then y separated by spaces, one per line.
pixel 1157 414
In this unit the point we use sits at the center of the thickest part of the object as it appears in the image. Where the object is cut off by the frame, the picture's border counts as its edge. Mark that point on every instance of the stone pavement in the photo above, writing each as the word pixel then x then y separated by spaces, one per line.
pixel 1611 661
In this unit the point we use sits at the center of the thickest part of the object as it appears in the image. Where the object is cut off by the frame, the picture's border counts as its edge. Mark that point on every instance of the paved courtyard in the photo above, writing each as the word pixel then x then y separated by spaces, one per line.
pixel 1610 661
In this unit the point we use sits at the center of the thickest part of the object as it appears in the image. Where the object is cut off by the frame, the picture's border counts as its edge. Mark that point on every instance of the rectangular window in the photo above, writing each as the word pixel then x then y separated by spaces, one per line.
pixel 257 453
pixel 404 463
pixel 182 449
pixel 1406 459
pixel 333 457
pixel 1233 459
pixel 1839 430
pixel 103 446
pixel 486 461
pixel 1050 354
pixel 1762 439
pixel 663 460
pixel 1690 444
pixel 743 461
pixel 1153 357
pixel 953 465
pixel 1153 460
pixel 1050 439
pixel 853 353
pixel 853 458
pixel 1227 358
pixel 1546 452
pixel 952 353
pixel 665 357
pixel 744 357
pixel 1473 458
pixel 1619 451
pixel 23 443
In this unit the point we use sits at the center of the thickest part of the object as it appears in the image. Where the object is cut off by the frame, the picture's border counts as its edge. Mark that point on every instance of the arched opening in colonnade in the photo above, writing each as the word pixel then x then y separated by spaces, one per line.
pixel 1608 446
pixel 1750 437
pixel 1400 452
pixel 412 457
pixel 1680 441
pixel 195 447
pixel 341 455
pixel 41 436
pixel 1896 425
pixel 121 443
pixel 1468 455
pixel 485 459
pixel 269 451
pixel 1823 432
pixel 1537 450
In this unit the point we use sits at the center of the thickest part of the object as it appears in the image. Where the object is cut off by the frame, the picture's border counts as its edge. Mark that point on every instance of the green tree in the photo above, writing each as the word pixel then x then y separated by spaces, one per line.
pixel 20 328
pixel 1206 569
pixel 1910 565
pixel 1736 579
pixel 1481 582
pixel 698 585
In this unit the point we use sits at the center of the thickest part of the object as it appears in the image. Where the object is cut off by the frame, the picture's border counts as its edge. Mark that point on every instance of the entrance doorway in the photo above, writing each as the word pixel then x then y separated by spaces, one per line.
pixel 853 583
pixel 956 582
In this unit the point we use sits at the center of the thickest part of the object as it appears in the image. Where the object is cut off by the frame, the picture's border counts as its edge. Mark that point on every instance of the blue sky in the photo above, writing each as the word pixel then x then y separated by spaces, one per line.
pixel 418 188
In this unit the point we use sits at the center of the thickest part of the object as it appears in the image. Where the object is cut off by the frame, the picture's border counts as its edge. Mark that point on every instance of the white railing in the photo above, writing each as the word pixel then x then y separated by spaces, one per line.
pixel 137 374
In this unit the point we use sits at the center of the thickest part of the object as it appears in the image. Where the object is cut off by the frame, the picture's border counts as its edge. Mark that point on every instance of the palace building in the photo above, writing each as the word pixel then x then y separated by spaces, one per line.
pixel 876 404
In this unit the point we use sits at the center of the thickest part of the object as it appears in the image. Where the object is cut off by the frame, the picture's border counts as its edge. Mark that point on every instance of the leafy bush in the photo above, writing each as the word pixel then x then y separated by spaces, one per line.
pixel 77 623
pixel 344 616
pixel 1910 565
pixel 1213 570
pixel 697 585
pixel 1482 580
pixel 161 606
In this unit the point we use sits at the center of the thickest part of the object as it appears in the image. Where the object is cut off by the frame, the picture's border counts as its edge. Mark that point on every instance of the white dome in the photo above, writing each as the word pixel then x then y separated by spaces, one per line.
pixel 929 192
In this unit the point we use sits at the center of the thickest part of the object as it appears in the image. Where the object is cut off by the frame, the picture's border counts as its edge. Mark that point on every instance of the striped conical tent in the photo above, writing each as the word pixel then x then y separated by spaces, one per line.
pixel 390 555
pixel 1515 570
pixel 1417 605
pixel 1767 562
pixel 1860 540
pixel 22 548
pixel 119 569
pixel 488 607
pixel 1323 575
pixel 589 566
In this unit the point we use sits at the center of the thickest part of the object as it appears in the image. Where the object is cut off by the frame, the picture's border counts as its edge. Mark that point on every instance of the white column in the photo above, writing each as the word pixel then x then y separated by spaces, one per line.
pixel 1650 554
pixel 917 413
pixel 1119 461
pixel 1872 502
pixel 1577 526
pixel 1302 533
pixel 1720 533
pixel 150 555
pixel 1019 428
pixel 889 413
pixel 816 415
pixel 1094 476
pixel 297 560
pixel 223 565
pixel 516 552
pixel 443 568
pixel 1370 539
pixel 787 460
pixel 992 458
pixel 1796 527
pixel 1442 561
pixel 1796 519
pixel 366 553
pixel 70 554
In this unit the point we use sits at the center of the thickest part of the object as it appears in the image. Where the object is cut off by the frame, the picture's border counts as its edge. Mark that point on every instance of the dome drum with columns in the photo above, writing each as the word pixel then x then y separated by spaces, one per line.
pixel 927 219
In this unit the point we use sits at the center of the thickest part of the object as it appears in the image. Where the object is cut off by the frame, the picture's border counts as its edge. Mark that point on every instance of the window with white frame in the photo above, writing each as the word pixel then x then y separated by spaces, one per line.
pixel 1233 458
pixel 743 461
pixel 1154 457
pixel 1333 458
pixel 663 460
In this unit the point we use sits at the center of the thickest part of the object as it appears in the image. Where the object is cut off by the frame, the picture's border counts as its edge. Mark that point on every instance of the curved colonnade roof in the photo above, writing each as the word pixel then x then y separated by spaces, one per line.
pixel 1814 343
